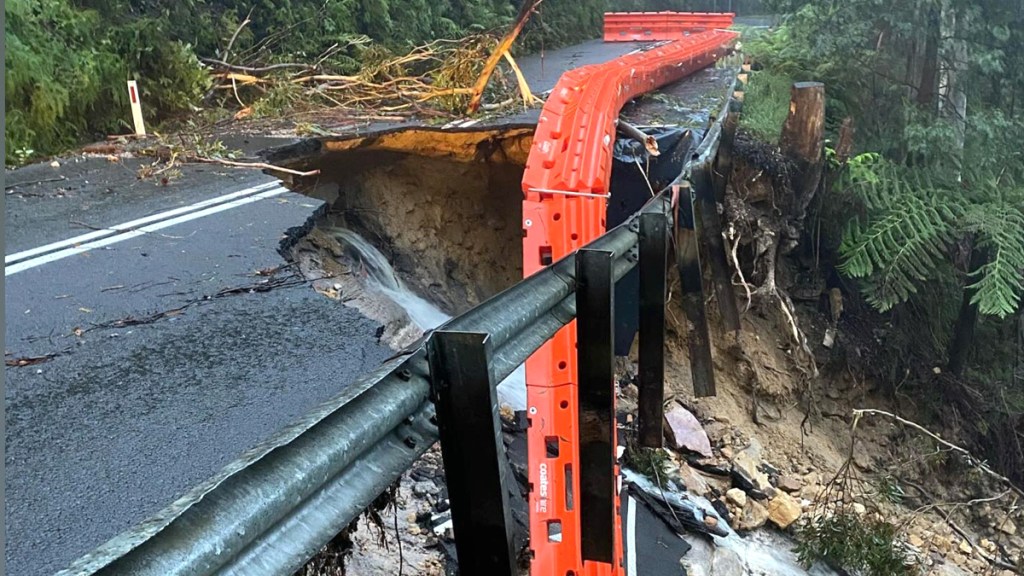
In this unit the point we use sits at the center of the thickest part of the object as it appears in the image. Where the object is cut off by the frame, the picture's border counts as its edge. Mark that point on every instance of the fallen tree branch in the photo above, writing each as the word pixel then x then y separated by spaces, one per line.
pixel 525 11
pixel 649 142
pixel 248 19
pixel 260 165
pixel 979 464
pixel 256 69
pixel 33 182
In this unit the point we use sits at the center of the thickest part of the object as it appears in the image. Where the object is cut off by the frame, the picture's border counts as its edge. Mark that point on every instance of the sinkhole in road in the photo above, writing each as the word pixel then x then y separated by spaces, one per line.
pixel 418 224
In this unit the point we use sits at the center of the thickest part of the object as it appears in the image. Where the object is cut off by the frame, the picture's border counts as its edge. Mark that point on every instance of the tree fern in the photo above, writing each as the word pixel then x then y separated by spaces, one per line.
pixel 998 284
pixel 902 240
pixel 911 221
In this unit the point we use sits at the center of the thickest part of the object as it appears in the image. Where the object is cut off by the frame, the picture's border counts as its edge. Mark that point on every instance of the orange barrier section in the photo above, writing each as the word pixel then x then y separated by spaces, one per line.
pixel 651 26
pixel 565 188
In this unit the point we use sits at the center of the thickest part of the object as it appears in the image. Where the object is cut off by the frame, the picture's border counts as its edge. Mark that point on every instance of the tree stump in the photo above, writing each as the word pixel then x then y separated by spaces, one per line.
pixel 803 140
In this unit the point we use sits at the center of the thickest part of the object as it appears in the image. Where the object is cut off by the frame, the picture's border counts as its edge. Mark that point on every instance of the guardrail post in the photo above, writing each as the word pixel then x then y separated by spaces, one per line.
pixel 688 264
pixel 596 361
pixel 651 372
pixel 473 452
pixel 710 231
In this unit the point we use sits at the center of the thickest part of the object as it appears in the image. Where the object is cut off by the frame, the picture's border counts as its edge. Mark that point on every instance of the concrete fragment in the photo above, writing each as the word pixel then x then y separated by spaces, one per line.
pixel 685 432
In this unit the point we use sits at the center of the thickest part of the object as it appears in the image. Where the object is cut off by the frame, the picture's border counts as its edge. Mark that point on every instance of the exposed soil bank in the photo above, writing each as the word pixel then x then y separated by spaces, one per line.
pixel 443 206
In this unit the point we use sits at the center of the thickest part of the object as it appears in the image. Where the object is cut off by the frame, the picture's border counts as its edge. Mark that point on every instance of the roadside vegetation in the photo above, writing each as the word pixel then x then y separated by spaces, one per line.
pixel 67 60
pixel 923 220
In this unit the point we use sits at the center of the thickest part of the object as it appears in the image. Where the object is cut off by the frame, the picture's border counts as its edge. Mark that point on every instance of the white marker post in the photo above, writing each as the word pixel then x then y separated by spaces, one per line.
pixel 133 95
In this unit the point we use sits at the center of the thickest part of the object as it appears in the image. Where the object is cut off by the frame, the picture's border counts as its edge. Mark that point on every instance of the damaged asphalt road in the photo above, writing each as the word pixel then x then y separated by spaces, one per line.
pixel 160 359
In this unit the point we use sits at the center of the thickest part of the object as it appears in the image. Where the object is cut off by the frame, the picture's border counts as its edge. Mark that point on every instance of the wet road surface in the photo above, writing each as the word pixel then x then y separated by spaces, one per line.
pixel 125 419
pixel 128 416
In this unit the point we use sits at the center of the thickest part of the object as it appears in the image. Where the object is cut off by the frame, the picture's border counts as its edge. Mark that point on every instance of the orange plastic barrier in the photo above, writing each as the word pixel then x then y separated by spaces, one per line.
pixel 565 188
pixel 652 26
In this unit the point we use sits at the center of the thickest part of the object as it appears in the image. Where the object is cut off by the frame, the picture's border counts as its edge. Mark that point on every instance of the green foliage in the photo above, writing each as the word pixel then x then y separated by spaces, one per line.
pixel 65 73
pixel 912 220
pixel 854 543
pixel 650 462
pixel 766 104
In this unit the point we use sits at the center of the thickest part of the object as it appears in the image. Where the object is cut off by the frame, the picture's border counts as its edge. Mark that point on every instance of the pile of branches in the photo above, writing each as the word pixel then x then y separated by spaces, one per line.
pixel 440 78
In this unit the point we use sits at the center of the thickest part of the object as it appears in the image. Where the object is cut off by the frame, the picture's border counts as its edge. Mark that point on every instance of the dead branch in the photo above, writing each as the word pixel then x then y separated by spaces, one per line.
pixel 979 464
pixel 525 12
pixel 34 182
pixel 260 165
pixel 524 88
pixel 227 51
pixel 649 142
pixel 256 69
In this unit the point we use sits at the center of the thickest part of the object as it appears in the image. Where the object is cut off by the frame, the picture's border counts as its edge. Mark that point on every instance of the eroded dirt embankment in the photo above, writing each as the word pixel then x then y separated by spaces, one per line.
pixel 443 206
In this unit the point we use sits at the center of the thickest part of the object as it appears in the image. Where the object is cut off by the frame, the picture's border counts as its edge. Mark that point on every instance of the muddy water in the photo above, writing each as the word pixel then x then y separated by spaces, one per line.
pixel 511 391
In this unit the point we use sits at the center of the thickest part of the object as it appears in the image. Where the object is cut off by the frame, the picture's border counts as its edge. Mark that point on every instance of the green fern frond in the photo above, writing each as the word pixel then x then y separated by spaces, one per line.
pixel 905 240
pixel 998 284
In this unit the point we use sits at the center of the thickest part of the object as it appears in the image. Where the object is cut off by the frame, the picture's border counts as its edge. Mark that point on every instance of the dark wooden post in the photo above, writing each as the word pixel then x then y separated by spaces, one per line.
pixel 803 140
pixel 692 296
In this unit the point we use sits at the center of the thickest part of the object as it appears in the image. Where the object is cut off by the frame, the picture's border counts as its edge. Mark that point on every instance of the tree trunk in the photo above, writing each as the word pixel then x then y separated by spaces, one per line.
pixel 966 321
pixel 930 66
pixel 803 140
pixel 952 96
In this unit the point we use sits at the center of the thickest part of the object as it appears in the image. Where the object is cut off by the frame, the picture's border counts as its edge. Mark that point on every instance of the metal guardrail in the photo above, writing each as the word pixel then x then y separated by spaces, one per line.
pixel 277 505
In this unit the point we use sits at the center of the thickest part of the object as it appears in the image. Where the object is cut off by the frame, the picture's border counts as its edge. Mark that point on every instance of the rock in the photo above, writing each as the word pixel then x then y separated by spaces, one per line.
pixel 1007 526
pixel 728 452
pixel 753 516
pixel 965 548
pixel 810 492
pixel 425 488
pixel 790 483
pixel 915 541
pixel 725 562
pixel 783 510
pixel 859 509
pixel 737 497
pixel 863 460
pixel 55 164
pixel 694 481
pixel 745 469
pixel 988 545
pixel 684 431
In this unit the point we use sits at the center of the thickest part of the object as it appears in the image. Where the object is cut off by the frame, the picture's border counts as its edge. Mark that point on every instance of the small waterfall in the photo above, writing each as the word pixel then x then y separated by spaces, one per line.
pixel 511 391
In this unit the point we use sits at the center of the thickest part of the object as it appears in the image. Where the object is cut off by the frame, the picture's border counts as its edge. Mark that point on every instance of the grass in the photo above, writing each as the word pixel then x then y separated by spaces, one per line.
pixel 766 105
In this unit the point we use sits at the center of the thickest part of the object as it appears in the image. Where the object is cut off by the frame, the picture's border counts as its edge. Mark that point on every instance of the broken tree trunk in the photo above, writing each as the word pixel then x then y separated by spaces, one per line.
pixel 803 140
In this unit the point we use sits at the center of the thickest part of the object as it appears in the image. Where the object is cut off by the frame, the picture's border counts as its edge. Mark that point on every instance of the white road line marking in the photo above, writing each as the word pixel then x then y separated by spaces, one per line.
pixel 631 537
pixel 54 256
pixel 128 226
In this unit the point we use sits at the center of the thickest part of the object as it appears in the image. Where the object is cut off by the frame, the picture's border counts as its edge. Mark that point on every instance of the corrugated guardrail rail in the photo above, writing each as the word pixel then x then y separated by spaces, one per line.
pixel 272 509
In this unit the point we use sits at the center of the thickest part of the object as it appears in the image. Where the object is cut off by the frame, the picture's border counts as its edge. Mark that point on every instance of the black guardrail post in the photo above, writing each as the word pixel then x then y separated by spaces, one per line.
pixel 651 333
pixel 710 231
pixel 595 358
pixel 473 452
pixel 688 264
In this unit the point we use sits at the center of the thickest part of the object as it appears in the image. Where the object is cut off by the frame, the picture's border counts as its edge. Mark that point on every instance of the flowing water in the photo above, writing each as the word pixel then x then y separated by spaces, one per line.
pixel 762 553
pixel 426 316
